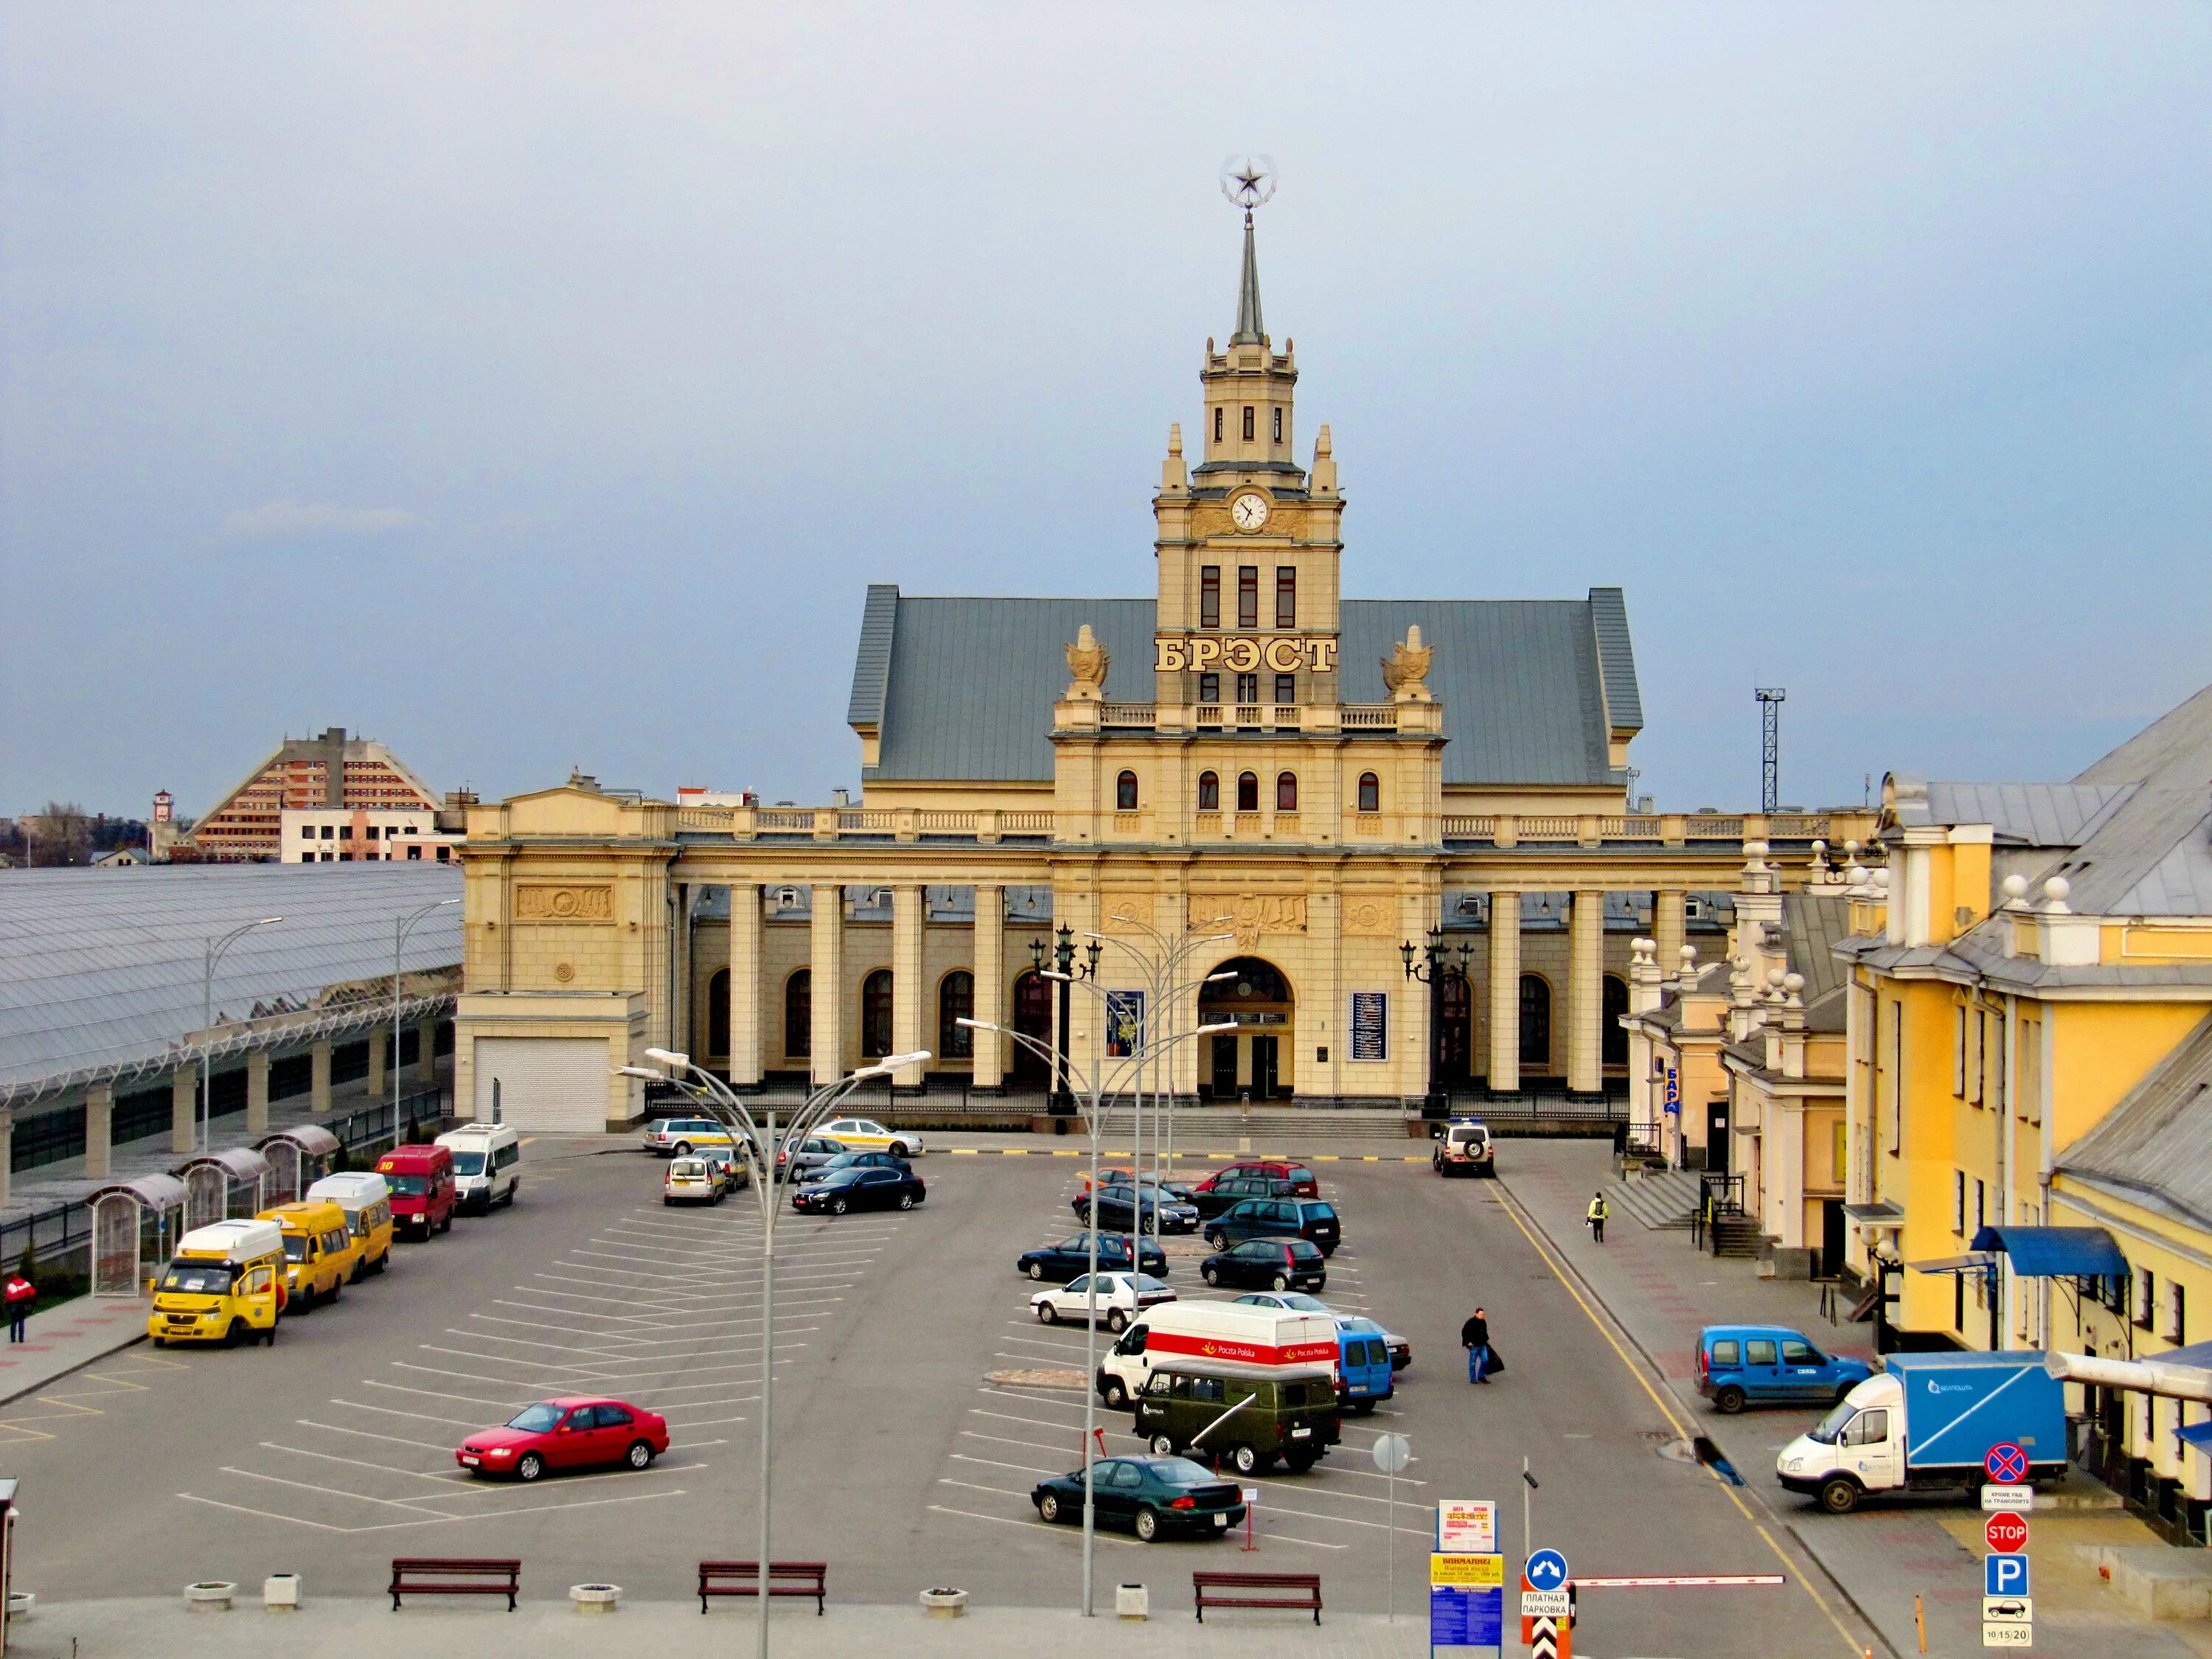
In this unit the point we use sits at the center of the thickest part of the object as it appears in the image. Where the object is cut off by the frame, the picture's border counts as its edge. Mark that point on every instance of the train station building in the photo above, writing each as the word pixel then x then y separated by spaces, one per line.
pixel 1404 826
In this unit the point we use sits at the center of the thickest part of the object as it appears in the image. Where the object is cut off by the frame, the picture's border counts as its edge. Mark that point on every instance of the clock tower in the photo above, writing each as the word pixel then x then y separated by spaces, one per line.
pixel 1248 541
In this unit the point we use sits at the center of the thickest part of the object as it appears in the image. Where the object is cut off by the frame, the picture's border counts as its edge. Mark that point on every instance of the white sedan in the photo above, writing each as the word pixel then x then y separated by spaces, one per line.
pixel 860 1134
pixel 1122 1298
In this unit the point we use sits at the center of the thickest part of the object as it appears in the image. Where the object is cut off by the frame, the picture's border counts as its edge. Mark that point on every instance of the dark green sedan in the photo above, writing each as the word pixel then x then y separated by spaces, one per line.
pixel 1151 1496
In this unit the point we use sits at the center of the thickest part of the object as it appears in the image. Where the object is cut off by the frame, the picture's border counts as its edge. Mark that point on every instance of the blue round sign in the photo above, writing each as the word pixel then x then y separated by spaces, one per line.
pixel 1547 1570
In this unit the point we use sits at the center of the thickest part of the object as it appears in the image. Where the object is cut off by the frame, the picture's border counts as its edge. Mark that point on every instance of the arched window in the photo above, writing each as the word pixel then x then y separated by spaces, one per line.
pixel 1286 792
pixel 1032 1019
pixel 1248 791
pixel 1125 792
pixel 1536 1022
pixel 798 1014
pixel 1613 1042
pixel 956 1001
pixel 876 1015
pixel 1370 793
pixel 717 1015
pixel 1209 791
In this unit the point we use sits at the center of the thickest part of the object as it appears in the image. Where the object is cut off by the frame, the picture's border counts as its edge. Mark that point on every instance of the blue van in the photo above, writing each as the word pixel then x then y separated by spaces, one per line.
pixel 1363 1356
pixel 1740 1365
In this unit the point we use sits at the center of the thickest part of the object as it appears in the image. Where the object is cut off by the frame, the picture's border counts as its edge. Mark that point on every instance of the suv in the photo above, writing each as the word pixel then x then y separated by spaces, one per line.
pixel 1225 1192
pixel 1277 1218
pixel 1464 1148
pixel 1300 1177
pixel 1249 1417
pixel 1739 1365
pixel 1275 1264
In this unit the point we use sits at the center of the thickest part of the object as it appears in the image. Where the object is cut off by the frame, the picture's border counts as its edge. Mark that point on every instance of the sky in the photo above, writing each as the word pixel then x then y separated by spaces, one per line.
pixel 533 386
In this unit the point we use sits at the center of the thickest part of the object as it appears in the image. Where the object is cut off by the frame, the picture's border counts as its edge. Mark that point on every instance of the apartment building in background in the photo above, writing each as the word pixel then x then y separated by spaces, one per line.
pixel 333 772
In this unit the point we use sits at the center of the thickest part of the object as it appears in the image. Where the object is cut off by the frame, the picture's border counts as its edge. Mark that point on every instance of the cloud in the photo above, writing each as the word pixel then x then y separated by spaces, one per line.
pixel 287 520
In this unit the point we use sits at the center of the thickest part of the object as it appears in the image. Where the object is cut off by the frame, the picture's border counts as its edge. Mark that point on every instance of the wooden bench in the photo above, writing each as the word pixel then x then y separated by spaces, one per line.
pixel 1301 1590
pixel 784 1578
pixel 432 1574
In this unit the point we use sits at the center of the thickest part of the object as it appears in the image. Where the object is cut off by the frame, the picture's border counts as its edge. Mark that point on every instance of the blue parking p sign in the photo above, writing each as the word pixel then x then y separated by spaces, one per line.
pixel 1547 1570
pixel 2004 1575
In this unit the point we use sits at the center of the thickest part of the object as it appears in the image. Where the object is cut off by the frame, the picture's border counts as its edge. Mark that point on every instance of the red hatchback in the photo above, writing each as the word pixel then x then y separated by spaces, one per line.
pixel 1302 1184
pixel 566 1434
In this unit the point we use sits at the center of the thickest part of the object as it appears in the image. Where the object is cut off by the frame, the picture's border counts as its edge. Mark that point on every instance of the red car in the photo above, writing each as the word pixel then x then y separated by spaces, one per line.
pixel 1302 1184
pixel 568 1433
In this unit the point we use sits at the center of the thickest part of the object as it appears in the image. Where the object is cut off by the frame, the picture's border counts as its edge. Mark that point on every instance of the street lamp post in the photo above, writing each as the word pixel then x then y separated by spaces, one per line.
pixel 401 926
pixel 1432 969
pixel 1096 1081
pixel 216 947
pixel 1062 1103
pixel 763 1152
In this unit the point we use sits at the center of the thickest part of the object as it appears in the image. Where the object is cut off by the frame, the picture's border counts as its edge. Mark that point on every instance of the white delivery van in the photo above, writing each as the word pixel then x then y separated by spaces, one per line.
pixel 1234 1332
pixel 487 1164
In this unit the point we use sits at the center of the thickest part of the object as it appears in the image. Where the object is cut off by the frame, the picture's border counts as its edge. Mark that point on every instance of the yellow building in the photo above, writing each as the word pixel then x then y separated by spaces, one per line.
pixel 1323 784
pixel 2026 1002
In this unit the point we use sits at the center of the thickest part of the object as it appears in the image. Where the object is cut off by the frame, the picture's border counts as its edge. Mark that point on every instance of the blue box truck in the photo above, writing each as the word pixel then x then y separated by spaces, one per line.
pixel 1929 1420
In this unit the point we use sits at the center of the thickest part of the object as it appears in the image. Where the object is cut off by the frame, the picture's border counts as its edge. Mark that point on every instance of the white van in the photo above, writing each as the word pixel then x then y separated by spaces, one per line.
pixel 1236 1333
pixel 487 1164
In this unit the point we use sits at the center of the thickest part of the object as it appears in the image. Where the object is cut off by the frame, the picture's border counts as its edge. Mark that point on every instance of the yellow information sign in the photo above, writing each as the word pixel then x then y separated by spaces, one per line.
pixel 1468 1571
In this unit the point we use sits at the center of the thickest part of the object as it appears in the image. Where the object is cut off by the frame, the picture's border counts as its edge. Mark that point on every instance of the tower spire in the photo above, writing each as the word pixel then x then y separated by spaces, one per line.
pixel 1250 328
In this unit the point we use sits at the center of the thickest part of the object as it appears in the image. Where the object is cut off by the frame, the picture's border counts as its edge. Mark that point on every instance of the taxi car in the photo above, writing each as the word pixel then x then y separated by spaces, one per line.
pixel 862 1134
pixel 679 1137
pixel 566 1433
pixel 691 1181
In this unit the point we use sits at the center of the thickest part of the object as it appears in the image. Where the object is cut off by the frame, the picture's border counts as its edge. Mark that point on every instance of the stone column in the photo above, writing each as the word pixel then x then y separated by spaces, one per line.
pixel 909 992
pixel 1669 925
pixel 1585 994
pixel 184 1097
pixel 376 1083
pixel 745 1066
pixel 99 1131
pixel 319 1072
pixel 679 1017
pixel 257 1091
pixel 1504 991
pixel 426 1050
pixel 989 958
pixel 826 1032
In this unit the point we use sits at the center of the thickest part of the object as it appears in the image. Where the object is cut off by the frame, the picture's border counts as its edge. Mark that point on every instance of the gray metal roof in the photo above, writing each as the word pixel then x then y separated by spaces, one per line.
pixel 97 972
pixel 968 684
pixel 1813 924
pixel 2155 1146
pixel 2032 814
pixel 2181 737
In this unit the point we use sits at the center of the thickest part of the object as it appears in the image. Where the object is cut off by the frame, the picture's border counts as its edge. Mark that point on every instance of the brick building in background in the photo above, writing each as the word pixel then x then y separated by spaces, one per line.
pixel 329 772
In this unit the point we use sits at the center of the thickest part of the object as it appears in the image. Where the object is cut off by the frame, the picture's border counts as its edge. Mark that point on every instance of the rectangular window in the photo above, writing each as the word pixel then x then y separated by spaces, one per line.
pixel 1209 596
pixel 1981 1205
pixel 2177 1316
pixel 1958 1051
pixel 1209 688
pixel 1959 1201
pixel 1996 1055
pixel 1897 1077
pixel 1279 426
pixel 2145 1297
pixel 330 830
pixel 1247 596
pixel 1843 1151
pixel 1286 688
pixel 1286 596
pixel 1248 423
pixel 1217 423
pixel 372 832
pixel 307 832
pixel 1248 688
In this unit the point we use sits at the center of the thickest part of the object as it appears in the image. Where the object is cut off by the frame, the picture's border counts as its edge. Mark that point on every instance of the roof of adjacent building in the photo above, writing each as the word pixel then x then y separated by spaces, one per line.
pixel 2028 814
pixel 962 688
pixel 98 972
pixel 2155 1148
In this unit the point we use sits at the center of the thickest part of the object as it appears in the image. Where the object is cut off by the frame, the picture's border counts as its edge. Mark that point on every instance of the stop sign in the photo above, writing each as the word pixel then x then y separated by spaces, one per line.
pixel 2007 1533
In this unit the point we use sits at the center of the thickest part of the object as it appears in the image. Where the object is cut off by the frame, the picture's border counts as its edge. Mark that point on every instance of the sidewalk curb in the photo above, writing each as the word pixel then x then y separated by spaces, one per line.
pixel 1659 1374
pixel 29 1388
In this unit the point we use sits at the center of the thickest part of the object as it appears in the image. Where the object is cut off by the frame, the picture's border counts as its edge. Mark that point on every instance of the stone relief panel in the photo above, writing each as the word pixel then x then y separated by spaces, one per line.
pixel 1127 912
pixel 551 902
pixel 1248 916
pixel 1370 916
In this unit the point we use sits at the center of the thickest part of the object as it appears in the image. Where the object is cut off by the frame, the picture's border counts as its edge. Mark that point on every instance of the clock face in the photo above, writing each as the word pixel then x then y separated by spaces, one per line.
pixel 1249 512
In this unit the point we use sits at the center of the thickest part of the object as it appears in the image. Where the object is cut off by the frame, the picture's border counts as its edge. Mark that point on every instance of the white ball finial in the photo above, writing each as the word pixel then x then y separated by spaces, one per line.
pixel 1774 976
pixel 2058 889
pixel 1688 954
pixel 2015 886
pixel 1793 983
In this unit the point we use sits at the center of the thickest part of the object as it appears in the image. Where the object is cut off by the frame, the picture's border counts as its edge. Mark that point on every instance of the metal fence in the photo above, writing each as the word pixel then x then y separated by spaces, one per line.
pixel 378 1128
pixel 50 1236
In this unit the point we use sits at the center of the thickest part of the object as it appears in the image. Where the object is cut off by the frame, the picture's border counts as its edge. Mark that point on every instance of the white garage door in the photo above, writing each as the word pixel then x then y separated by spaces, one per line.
pixel 544 1083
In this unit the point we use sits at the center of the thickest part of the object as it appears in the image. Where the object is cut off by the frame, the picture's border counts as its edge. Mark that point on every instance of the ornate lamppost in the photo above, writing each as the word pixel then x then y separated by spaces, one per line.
pixel 1434 966
pixel 1063 957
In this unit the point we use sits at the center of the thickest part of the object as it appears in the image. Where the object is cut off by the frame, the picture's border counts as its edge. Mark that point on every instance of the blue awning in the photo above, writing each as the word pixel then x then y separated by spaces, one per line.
pixel 2057 1252
pixel 2198 1435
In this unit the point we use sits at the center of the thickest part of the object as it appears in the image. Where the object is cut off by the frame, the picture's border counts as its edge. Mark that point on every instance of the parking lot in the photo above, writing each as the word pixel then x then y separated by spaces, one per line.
pixel 917 1402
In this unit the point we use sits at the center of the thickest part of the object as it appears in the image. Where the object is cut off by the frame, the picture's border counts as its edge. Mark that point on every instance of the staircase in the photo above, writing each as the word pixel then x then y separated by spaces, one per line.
pixel 1737 1237
pixel 1276 1129
pixel 1664 1202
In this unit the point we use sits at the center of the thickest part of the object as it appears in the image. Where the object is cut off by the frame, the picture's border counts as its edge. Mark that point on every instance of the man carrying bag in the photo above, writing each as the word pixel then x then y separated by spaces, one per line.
pixel 1481 1359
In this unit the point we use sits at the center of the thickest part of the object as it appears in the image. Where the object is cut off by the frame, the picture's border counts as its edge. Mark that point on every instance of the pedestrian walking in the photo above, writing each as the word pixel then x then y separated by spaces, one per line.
pixel 1596 1215
pixel 1474 1337
pixel 21 1293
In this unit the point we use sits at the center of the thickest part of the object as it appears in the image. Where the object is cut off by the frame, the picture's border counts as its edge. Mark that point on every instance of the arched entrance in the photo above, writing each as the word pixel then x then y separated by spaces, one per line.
pixel 1033 1019
pixel 1454 1030
pixel 1256 1061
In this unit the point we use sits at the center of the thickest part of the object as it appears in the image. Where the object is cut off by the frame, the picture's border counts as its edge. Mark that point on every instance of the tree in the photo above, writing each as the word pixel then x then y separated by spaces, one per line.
pixel 59 835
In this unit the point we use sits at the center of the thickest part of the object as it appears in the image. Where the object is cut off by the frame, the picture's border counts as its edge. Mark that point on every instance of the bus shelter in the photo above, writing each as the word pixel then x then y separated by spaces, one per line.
pixel 298 1157
pixel 223 1186
pixel 135 1224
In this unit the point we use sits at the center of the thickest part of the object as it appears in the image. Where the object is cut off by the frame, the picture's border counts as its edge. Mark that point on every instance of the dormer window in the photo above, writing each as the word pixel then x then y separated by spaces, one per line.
pixel 1248 412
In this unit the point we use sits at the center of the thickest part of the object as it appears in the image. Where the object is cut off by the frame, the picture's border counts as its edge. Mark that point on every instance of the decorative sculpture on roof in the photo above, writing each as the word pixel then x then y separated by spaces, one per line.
pixel 1087 662
pixel 1405 669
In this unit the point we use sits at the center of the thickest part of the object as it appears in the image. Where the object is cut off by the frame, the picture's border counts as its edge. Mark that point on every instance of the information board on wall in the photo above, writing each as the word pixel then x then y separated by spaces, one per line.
pixel 1370 1025
pixel 1125 1023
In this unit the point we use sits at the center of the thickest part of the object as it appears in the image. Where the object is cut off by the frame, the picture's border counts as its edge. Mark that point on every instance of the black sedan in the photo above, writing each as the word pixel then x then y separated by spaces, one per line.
pixel 1152 1496
pixel 860 1189
pixel 1276 1264
pixel 843 1160
pixel 1118 1208
pixel 1055 1264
